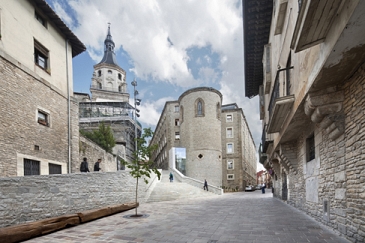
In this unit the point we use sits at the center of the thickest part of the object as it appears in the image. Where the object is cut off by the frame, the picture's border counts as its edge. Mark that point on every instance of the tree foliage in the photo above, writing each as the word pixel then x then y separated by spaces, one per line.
pixel 142 166
pixel 103 136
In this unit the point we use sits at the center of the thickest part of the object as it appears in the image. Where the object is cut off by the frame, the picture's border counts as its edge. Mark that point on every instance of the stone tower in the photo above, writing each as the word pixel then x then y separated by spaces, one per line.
pixel 109 80
pixel 200 133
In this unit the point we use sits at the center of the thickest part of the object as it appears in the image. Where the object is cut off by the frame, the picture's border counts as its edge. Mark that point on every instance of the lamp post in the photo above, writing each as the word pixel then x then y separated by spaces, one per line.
pixel 136 103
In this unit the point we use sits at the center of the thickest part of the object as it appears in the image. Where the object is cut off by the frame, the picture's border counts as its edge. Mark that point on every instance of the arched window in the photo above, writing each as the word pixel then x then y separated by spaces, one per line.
pixel 119 76
pixel 110 72
pixel 120 89
pixel 99 85
pixel 199 107
pixel 99 73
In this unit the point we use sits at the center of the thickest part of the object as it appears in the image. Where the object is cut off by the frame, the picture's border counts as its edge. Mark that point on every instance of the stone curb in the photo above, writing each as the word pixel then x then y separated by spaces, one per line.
pixel 30 230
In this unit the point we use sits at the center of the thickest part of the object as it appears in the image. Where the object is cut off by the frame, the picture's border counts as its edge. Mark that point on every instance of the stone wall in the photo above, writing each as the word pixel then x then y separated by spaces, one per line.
pixel 22 94
pixel 352 212
pixel 30 198
pixel 331 188
pixel 92 151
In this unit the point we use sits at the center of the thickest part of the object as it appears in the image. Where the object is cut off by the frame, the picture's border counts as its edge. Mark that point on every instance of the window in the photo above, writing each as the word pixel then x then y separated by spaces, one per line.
pixel 41 56
pixel 310 148
pixel 119 76
pixel 177 108
pixel 54 169
pixel 230 165
pixel 177 135
pixel 218 111
pixel 110 72
pixel 31 167
pixel 181 114
pixel 99 73
pixel 229 118
pixel 120 89
pixel 229 147
pixel 199 107
pixel 229 132
pixel 230 176
pixel 288 70
pixel 40 19
pixel 100 86
pixel 177 122
pixel 43 118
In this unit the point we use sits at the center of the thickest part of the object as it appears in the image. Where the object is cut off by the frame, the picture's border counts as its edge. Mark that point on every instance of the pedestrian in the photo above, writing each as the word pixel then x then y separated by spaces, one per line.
pixel 97 165
pixel 205 185
pixel 84 167
pixel 171 177
pixel 263 188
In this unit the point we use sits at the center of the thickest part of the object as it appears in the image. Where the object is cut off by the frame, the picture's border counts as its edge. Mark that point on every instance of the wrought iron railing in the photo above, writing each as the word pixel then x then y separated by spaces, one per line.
pixel 274 94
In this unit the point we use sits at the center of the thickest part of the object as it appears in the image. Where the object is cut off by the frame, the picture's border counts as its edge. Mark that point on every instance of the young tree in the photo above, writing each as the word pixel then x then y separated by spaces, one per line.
pixel 141 166
pixel 103 137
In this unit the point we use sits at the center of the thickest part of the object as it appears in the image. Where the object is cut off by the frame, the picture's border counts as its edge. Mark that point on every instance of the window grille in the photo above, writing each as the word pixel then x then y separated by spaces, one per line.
pixel 54 169
pixel 31 167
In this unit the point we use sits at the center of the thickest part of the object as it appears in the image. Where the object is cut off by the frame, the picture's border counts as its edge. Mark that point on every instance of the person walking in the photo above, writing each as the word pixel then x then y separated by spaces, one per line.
pixel 205 185
pixel 263 188
pixel 171 177
pixel 97 165
pixel 84 167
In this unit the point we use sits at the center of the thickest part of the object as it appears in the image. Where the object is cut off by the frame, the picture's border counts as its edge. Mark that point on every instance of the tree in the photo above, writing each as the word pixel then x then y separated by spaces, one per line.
pixel 141 165
pixel 103 136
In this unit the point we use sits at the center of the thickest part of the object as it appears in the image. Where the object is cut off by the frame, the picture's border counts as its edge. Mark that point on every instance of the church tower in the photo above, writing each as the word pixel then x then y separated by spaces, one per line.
pixel 109 79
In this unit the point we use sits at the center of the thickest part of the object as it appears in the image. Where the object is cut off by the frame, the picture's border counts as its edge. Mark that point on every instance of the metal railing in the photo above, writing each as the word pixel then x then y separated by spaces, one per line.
pixel 110 89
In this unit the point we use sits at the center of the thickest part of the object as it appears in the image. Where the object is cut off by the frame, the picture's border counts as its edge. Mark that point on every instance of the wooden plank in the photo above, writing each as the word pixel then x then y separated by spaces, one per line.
pixel 313 23
pixel 306 26
pixel 326 19
pixel 30 230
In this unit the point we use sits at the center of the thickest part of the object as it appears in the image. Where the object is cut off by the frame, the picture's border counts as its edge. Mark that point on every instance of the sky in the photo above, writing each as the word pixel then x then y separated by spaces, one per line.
pixel 167 46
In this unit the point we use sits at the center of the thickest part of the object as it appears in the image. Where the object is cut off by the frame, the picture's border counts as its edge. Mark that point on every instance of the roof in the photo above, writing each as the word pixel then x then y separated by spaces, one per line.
pixel 256 21
pixel 109 54
pixel 77 46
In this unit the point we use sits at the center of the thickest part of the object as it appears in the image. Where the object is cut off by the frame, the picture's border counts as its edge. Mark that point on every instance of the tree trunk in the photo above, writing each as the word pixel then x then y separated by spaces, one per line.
pixel 136 195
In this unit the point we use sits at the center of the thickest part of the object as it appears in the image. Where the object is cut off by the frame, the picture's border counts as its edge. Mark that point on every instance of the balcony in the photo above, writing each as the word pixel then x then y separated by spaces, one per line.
pixel 265 140
pixel 314 21
pixel 279 107
pixel 109 89
pixel 262 156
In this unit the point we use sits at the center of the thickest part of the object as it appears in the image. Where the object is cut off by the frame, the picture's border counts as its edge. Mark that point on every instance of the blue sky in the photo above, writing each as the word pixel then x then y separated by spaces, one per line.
pixel 168 46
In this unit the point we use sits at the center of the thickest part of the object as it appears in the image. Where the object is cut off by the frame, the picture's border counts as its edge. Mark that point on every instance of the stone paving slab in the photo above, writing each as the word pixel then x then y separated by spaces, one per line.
pixel 240 217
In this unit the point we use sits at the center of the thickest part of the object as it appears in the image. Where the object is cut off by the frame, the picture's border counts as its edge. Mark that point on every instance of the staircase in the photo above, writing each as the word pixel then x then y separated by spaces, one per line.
pixel 168 191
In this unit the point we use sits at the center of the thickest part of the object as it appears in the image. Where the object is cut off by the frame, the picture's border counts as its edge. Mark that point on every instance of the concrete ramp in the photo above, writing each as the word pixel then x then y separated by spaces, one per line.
pixel 168 191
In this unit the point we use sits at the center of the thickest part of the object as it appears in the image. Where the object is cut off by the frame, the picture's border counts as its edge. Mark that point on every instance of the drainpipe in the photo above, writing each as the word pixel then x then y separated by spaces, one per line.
pixel 68 111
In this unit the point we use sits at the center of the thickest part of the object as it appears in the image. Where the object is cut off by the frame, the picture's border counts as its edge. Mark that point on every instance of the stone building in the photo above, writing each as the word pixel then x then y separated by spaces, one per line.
pixel 218 144
pixel 39 124
pixel 109 103
pixel 305 60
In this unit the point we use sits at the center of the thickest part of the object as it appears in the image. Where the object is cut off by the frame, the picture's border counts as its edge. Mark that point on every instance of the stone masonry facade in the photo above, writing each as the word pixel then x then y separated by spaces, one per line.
pixel 22 136
pixel 205 140
pixel 31 198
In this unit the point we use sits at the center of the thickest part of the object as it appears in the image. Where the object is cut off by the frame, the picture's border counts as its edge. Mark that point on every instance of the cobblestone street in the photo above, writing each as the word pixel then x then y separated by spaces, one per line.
pixel 233 217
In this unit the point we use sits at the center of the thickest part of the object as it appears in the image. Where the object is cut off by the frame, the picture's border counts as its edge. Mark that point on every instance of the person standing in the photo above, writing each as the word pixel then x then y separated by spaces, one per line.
pixel 97 165
pixel 205 185
pixel 84 167
pixel 171 177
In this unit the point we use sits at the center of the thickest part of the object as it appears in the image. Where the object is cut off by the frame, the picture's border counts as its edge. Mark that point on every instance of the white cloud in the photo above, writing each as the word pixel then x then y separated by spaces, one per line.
pixel 151 110
pixel 59 9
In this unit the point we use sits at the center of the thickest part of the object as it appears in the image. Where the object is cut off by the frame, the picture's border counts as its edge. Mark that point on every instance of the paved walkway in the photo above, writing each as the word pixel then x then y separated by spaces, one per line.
pixel 234 217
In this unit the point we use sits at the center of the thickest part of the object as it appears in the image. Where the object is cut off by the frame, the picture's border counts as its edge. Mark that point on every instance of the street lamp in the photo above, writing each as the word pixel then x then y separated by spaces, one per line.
pixel 136 103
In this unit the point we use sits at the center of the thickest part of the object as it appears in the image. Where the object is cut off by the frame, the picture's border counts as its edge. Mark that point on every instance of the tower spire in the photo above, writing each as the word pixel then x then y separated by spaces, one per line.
pixel 109 45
